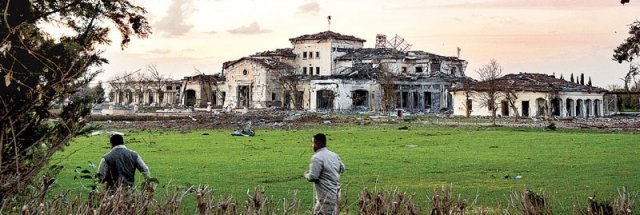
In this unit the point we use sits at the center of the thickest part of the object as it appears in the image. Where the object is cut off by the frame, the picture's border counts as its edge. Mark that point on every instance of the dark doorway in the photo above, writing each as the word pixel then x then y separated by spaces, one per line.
pixel 360 99
pixel 405 99
pixel 190 99
pixel 555 107
pixel 244 96
pixel 427 100
pixel 504 107
pixel 525 108
pixel 151 96
pixel 299 98
pixel 569 107
pixel 579 108
pixel 325 99
pixel 160 98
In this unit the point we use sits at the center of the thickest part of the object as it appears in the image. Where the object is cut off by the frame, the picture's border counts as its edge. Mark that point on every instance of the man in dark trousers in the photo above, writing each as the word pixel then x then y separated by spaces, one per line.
pixel 118 167
pixel 324 171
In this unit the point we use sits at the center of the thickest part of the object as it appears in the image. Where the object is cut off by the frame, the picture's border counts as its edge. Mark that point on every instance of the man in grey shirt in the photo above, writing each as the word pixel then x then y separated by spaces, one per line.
pixel 324 172
pixel 118 167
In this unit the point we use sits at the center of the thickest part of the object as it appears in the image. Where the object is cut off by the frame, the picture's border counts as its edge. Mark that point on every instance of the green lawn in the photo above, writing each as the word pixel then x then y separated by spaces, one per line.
pixel 567 165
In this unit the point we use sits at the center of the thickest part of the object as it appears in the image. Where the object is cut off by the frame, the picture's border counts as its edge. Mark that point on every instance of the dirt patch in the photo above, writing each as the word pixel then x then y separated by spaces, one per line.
pixel 291 120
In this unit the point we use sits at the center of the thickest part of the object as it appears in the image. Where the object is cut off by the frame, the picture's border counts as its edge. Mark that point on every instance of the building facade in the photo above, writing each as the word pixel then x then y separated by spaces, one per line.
pixel 326 71
pixel 333 71
pixel 529 95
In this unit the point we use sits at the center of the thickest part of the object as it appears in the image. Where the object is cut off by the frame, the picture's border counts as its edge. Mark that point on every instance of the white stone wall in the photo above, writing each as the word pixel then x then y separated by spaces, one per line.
pixel 325 49
pixel 343 91
pixel 480 108
pixel 258 78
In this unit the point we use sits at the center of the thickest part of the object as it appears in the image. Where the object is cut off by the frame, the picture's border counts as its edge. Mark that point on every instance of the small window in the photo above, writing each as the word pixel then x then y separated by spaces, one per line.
pixel 310 54
pixel 404 69
pixel 273 96
pixel 244 72
pixel 317 54
pixel 317 70
pixel 304 55
pixel 418 69
pixel 310 70
pixel 304 70
pixel 168 87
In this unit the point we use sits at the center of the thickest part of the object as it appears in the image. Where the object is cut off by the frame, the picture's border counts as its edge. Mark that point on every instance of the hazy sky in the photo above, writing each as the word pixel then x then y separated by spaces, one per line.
pixel 534 36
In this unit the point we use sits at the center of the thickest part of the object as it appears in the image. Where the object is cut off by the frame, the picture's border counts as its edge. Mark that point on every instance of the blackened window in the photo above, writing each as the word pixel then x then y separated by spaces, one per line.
pixel 317 70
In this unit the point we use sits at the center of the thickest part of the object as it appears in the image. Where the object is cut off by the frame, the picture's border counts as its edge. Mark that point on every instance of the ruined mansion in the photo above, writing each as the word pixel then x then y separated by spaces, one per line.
pixel 326 71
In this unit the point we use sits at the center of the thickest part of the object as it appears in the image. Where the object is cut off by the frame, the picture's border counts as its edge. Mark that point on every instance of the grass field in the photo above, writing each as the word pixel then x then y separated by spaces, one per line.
pixel 567 165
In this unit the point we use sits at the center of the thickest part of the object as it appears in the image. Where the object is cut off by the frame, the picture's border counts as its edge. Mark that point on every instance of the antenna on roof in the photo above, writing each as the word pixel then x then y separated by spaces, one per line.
pixel 329 21
pixel 459 52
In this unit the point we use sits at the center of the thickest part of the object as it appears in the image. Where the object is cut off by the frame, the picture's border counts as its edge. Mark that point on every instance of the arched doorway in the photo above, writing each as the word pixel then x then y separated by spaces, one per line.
pixel 579 106
pixel 569 105
pixel 588 108
pixel 555 107
pixel 596 107
pixel 190 98
pixel 129 96
pixel 324 99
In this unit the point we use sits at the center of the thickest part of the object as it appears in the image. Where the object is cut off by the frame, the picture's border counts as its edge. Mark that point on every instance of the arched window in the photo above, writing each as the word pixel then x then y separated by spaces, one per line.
pixel 244 72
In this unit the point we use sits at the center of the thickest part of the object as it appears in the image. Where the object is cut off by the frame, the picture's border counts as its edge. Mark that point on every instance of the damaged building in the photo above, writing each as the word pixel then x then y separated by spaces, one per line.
pixel 191 91
pixel 332 71
pixel 528 95
pixel 326 71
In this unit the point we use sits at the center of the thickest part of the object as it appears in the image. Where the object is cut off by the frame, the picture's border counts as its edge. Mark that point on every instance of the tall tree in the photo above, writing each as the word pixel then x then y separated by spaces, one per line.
pixel 158 81
pixel 289 81
pixel 629 50
pixel 98 93
pixel 39 70
pixel 589 81
pixel 489 73
pixel 582 78
pixel 386 79
pixel 572 80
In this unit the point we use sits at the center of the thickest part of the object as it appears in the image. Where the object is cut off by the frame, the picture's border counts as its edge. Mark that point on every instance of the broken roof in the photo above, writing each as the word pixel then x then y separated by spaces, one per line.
pixel 211 78
pixel 266 62
pixel 389 53
pixel 286 52
pixel 326 35
pixel 534 82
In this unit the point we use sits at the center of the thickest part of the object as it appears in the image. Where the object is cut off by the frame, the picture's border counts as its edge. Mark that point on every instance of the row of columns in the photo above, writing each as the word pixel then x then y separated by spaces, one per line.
pixel 580 108
pixel 158 98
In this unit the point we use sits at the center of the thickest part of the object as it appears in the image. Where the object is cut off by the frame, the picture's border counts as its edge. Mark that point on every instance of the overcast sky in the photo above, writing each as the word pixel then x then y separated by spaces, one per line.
pixel 534 36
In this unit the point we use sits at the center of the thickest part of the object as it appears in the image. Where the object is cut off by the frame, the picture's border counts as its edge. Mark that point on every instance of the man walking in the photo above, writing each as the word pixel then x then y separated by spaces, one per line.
pixel 117 168
pixel 324 171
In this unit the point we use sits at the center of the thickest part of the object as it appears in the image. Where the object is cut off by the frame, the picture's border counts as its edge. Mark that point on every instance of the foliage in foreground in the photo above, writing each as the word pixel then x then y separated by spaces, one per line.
pixel 39 70
pixel 440 202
